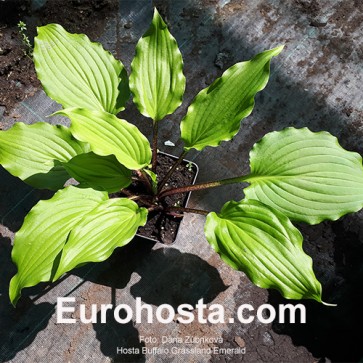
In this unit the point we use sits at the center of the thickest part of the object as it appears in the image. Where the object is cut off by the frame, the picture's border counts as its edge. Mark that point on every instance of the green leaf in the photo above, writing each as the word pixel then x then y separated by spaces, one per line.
pixel 76 72
pixel 34 153
pixel 216 112
pixel 112 224
pixel 44 232
pixel 103 173
pixel 264 244
pixel 306 175
pixel 108 135
pixel 157 80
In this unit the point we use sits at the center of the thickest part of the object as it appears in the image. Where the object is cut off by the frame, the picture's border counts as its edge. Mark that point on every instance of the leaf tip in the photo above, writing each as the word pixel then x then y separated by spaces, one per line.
pixel 279 48
pixel 157 16
pixel 143 213
pixel 275 51
pixel 328 304
pixel 156 12
pixel 14 290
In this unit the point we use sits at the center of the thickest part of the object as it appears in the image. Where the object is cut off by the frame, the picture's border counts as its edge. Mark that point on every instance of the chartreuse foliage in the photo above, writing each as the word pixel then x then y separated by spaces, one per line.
pixel 296 174
pixel 157 80
pixel 106 172
pixel 44 233
pixel 307 176
pixel 78 73
pixel 117 223
pixel 35 153
pixel 216 112
pixel 108 135
pixel 245 233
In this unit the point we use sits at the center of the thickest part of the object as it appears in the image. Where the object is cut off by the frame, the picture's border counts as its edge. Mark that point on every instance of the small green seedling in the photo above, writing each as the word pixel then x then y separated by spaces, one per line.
pixel 296 175
pixel 25 39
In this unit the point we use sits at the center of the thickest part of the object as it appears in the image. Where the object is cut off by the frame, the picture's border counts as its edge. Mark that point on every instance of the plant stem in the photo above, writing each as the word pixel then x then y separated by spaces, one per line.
pixel 201 186
pixel 140 198
pixel 127 193
pixel 188 210
pixel 153 208
pixel 155 146
pixel 145 180
pixel 171 170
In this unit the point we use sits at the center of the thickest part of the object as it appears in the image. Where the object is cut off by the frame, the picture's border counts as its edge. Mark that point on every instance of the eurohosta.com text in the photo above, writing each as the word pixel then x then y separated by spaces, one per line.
pixel 184 313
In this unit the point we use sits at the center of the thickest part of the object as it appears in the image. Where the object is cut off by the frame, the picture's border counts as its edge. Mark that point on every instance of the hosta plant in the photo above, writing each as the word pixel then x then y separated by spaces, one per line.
pixel 296 175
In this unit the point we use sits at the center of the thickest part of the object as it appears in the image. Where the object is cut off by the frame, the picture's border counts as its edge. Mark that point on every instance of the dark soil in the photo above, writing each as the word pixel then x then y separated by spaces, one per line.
pixel 17 74
pixel 160 226
pixel 86 16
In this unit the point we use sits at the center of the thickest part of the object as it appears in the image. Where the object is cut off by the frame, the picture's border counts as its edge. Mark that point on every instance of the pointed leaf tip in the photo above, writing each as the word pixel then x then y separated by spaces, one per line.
pixel 278 49
pixel 328 304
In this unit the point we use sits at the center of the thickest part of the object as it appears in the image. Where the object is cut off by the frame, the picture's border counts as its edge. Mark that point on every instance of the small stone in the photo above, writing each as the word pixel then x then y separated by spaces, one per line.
pixel 348 111
pixel 267 339
pixel 169 143
pixel 4 51
pixel 240 342
pixel 318 24
pixel 221 59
